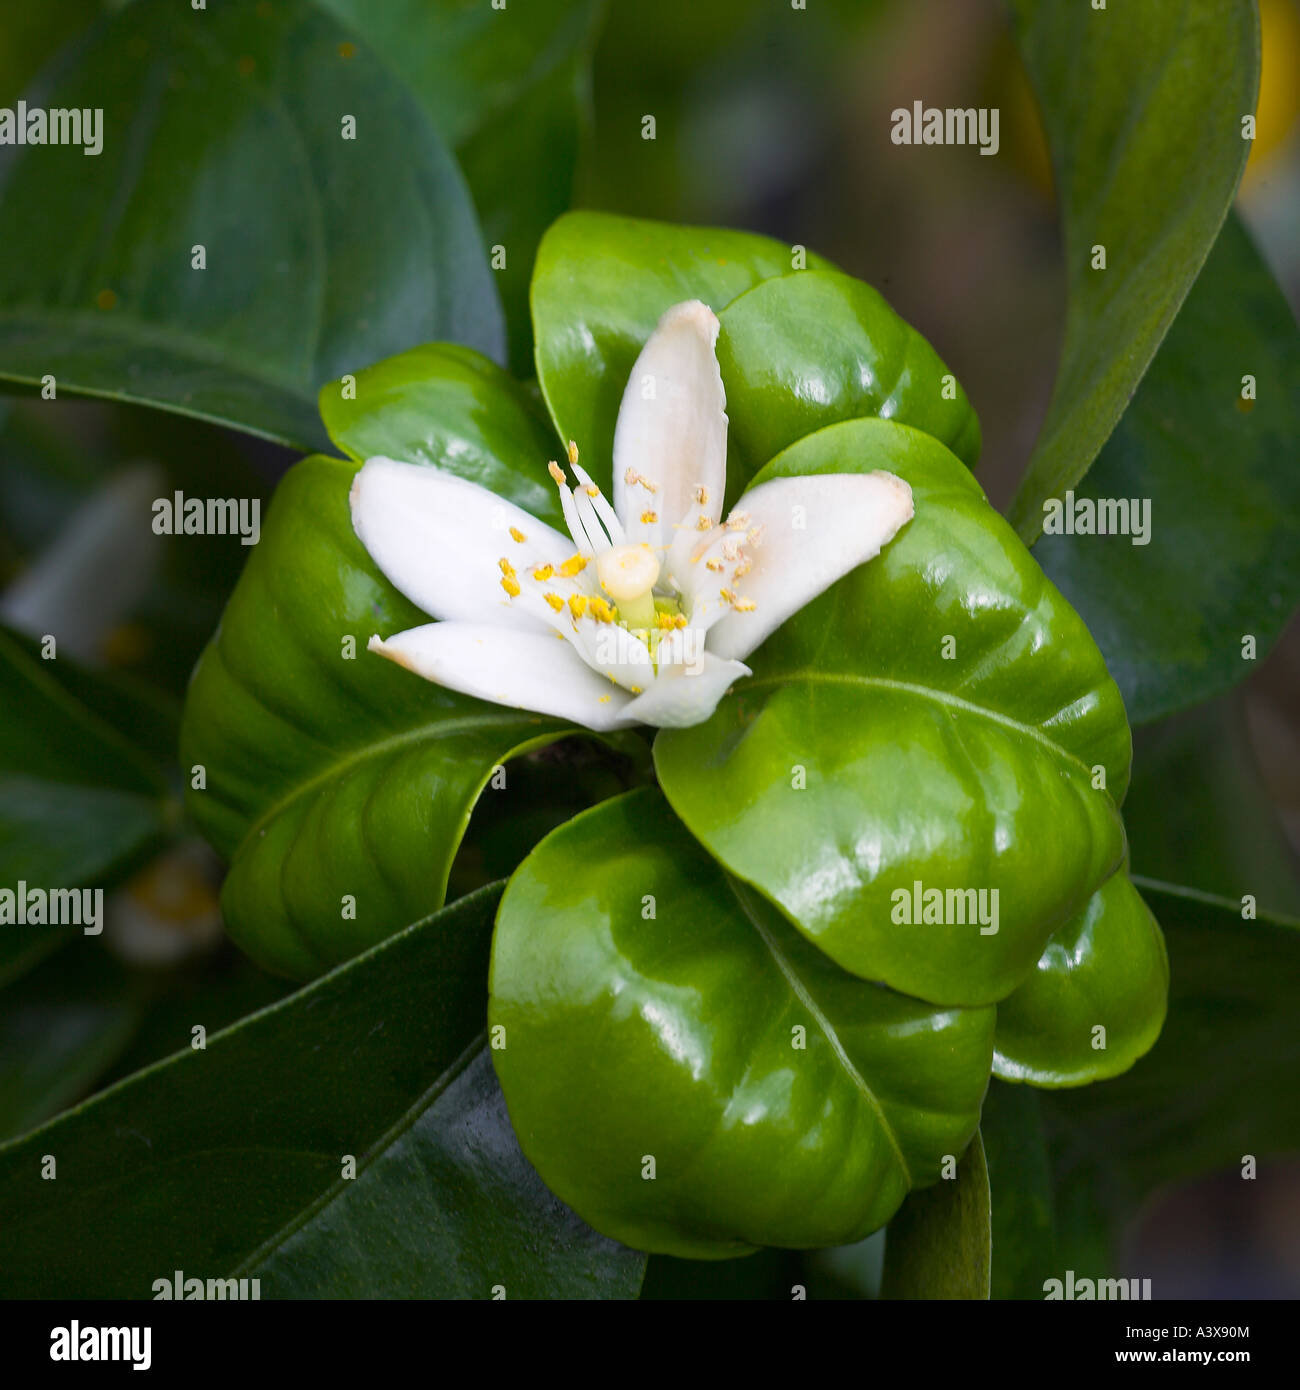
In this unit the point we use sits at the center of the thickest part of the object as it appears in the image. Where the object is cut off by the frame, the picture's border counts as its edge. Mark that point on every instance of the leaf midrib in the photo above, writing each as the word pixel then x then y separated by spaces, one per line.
pixel 804 995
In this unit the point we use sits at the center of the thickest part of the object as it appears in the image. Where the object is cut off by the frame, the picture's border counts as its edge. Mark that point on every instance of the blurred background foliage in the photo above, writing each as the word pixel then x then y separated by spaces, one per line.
pixel 767 119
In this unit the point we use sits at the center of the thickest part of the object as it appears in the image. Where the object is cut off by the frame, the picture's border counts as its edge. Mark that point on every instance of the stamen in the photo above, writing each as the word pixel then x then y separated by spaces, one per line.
pixel 573 453
pixel 575 564
pixel 556 602
pixel 702 496
pixel 577 604
pixel 600 610
pixel 517 535
pixel 737 521
pixel 543 572
pixel 649 518
pixel 704 524
pixel 744 605
pixel 632 478
pixel 557 473
pixel 608 516
pixel 506 567
pixel 715 565
pixel 511 586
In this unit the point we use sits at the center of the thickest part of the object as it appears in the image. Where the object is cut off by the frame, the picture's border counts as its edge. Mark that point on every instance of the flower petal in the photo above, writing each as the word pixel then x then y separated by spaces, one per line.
pixel 804 534
pixel 687 689
pixel 527 670
pixel 676 440
pixel 440 540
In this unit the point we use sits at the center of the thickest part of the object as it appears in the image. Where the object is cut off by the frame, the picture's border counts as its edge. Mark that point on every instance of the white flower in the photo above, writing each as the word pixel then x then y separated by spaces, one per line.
pixel 640 615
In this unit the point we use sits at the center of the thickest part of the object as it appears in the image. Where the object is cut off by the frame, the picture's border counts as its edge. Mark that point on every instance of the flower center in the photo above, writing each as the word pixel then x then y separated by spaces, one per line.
pixel 628 574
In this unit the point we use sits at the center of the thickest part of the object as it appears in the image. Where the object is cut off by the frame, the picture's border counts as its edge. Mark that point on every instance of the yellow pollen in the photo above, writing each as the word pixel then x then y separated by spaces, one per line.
pixel 506 567
pixel 517 535
pixel 591 490
pixel 744 605
pixel 680 620
pixel 665 622
pixel 727 595
pixel 704 524
pixel 755 535
pixel 715 565
pixel 573 452
pixel 742 570
pixel 543 573
pixel 738 522
pixel 632 478
pixel 649 518
pixel 575 564
pixel 577 604
pixel 555 601
pixel 556 472
pixel 600 610
pixel 511 586
pixel 635 689
pixel 702 496
pixel 605 699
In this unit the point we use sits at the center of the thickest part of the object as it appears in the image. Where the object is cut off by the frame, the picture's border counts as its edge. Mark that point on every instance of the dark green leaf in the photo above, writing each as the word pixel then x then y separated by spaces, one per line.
pixel 1020 1192
pixel 1143 106
pixel 235 1153
pixel 507 89
pixel 223 129
pixel 1222 558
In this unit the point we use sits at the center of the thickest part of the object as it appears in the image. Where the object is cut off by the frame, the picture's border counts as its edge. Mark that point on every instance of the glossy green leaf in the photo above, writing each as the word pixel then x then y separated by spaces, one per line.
pixel 1221 1082
pixel 810 349
pixel 1221 560
pixel 224 130
pixel 867 754
pixel 330 773
pixel 600 286
pixel 450 407
pixel 939 1244
pixel 1143 106
pixel 507 89
pixel 655 1010
pixel 230 1159
pixel 1107 969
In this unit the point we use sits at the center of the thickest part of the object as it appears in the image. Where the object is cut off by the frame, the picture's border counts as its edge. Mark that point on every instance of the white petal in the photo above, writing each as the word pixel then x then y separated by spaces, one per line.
pixel 527 670
pixel 814 530
pixel 439 540
pixel 678 439
pixel 685 691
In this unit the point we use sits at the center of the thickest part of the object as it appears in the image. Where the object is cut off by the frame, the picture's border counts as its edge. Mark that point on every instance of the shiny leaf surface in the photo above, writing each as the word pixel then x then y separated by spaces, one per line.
pixel 861 760
pixel 654 1009
pixel 1106 969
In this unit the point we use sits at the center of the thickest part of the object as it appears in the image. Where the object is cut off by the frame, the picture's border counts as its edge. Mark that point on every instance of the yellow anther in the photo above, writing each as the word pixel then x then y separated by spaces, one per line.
pixel 591 490
pixel 635 689
pixel 575 564
pixel 715 565
pixel 738 521
pixel 555 601
pixel 543 572
pixel 704 524
pixel 680 620
pixel 744 605
pixel 649 518
pixel 755 535
pixel 604 699
pixel 577 604
pixel 506 567
pixel 573 452
pixel 742 570
pixel 511 586
pixel 664 622
pixel 727 595
pixel 601 610
pixel 556 472
pixel 702 496
pixel 517 535
pixel 632 478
